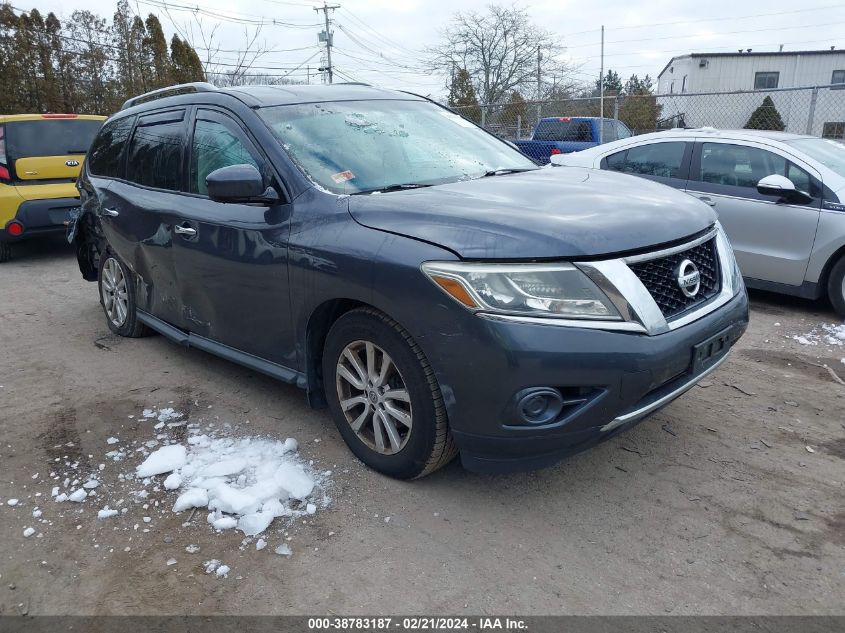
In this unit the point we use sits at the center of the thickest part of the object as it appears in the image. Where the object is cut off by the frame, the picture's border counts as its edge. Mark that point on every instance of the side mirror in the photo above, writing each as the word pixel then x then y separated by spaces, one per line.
pixel 239 183
pixel 558 160
pixel 782 187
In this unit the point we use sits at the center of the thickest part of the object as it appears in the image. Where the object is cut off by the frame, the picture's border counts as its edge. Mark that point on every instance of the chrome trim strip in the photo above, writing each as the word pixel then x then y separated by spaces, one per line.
pixel 638 304
pixel 590 324
pixel 649 408
pixel 646 257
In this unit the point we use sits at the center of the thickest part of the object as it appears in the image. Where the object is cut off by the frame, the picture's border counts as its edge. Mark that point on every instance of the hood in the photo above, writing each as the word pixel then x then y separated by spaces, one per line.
pixel 549 213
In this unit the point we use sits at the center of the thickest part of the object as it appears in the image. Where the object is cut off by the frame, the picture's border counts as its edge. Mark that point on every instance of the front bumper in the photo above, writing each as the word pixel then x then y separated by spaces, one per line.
pixel 41 217
pixel 626 377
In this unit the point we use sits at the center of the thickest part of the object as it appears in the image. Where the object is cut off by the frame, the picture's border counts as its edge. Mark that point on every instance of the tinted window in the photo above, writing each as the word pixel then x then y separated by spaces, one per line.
pixel 49 137
pixel 155 154
pixel 216 145
pixel 105 156
pixel 766 81
pixel 656 159
pixel 834 130
pixel 564 130
pixel 742 166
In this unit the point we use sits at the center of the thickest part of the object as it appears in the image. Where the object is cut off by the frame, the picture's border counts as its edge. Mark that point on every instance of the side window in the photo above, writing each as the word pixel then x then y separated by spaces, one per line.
pixel 608 132
pixel 616 162
pixel 155 151
pixel 656 159
pixel 743 166
pixel 105 158
pixel 622 130
pixel 217 144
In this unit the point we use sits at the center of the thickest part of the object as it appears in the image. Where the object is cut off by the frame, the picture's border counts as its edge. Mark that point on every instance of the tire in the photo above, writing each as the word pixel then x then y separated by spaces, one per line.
pixel 114 282
pixel 409 451
pixel 836 287
pixel 5 252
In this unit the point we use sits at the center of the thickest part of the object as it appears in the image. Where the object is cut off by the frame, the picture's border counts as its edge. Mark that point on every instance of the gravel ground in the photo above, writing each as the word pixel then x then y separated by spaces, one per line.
pixel 715 505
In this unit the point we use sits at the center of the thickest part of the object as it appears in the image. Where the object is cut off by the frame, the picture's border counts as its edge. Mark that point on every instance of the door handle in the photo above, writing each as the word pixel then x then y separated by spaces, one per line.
pixel 185 230
pixel 707 200
pixel 112 213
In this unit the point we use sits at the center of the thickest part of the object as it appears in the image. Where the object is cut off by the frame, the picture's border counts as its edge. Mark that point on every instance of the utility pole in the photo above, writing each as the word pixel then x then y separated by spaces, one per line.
pixel 601 89
pixel 327 35
pixel 539 86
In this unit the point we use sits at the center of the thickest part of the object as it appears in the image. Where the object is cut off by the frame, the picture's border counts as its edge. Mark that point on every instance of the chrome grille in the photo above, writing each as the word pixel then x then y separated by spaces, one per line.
pixel 660 277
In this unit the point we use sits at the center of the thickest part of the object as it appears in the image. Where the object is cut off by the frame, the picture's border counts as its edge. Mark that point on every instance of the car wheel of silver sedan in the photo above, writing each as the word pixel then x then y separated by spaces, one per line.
pixel 384 397
pixel 836 287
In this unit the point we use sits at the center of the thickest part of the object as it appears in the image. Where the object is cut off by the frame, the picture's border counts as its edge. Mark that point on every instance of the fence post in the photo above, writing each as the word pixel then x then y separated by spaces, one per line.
pixel 483 116
pixel 518 127
pixel 616 107
pixel 811 115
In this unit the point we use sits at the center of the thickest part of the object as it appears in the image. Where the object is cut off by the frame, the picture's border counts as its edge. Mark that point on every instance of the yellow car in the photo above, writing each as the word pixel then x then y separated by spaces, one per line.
pixel 40 159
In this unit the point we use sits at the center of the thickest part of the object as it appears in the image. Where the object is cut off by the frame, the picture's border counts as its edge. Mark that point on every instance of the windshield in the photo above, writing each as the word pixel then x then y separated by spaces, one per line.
pixel 56 137
pixel 829 153
pixel 362 146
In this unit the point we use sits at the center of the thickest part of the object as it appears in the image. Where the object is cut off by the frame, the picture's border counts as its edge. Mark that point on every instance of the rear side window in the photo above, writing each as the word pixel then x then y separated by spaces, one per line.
pixel 155 151
pixel 106 155
pixel 608 131
pixel 4 164
pixel 656 159
pixel 49 137
pixel 564 130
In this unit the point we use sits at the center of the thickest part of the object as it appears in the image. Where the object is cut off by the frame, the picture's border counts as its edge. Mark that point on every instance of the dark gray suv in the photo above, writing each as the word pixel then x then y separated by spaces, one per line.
pixel 439 292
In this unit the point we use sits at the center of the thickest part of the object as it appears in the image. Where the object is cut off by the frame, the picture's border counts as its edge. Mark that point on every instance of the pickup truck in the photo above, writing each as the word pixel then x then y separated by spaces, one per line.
pixel 562 135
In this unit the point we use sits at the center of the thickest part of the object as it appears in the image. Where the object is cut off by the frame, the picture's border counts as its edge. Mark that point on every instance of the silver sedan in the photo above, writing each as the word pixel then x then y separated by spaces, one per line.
pixel 780 197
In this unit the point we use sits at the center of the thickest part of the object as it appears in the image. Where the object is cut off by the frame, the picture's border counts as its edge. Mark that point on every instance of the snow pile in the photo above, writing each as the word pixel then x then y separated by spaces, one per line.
pixel 245 483
pixel 826 333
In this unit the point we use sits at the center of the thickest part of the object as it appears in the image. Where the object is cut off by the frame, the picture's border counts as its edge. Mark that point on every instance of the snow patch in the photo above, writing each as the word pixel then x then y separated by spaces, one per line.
pixel 164 460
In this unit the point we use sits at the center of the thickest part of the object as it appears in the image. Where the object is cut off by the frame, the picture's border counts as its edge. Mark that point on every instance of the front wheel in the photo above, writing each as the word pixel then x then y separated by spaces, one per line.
pixel 117 296
pixel 384 397
pixel 836 287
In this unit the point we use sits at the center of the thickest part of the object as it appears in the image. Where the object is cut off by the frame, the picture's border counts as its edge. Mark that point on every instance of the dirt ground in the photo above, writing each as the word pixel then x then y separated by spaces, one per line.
pixel 715 505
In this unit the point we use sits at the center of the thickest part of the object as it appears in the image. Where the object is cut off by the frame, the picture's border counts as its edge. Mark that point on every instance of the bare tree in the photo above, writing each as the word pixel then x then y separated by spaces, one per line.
pixel 499 49
pixel 235 71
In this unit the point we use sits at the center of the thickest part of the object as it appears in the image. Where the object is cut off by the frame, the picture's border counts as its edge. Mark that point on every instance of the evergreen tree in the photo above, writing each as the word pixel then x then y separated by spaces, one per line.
pixel 156 46
pixel 766 117
pixel 462 96
pixel 185 63
pixel 612 84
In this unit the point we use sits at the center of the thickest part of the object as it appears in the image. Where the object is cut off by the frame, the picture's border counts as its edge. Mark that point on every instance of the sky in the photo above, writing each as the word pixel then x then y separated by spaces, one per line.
pixel 382 41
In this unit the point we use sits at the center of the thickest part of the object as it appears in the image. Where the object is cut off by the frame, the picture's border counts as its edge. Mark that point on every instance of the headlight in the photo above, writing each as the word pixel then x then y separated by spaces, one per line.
pixel 728 257
pixel 536 290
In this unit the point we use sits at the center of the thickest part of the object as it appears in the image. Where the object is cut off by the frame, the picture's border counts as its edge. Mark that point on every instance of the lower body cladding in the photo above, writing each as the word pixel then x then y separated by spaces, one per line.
pixel 526 395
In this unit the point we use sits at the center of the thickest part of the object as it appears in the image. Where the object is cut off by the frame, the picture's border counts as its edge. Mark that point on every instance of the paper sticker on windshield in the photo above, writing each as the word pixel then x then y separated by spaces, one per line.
pixel 456 118
pixel 343 177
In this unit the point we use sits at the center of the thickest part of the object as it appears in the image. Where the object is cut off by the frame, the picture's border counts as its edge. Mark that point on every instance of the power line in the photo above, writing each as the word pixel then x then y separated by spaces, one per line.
pixel 674 37
pixel 703 20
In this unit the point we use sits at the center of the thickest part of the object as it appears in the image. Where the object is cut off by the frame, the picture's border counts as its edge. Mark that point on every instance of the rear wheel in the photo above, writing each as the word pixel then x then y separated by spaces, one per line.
pixel 5 252
pixel 117 296
pixel 836 287
pixel 384 397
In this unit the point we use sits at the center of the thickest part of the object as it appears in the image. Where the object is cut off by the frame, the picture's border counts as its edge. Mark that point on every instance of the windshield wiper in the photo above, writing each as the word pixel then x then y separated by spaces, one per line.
pixel 395 187
pixel 499 172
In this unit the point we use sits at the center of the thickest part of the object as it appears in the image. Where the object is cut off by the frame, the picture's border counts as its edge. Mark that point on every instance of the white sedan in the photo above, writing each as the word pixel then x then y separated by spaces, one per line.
pixel 780 197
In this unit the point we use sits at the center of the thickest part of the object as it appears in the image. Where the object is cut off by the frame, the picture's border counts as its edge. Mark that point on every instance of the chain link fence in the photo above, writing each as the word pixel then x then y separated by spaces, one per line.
pixel 818 111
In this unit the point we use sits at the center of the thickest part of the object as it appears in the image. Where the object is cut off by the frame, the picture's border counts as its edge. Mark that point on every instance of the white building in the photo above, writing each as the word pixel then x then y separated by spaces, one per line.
pixel 804 86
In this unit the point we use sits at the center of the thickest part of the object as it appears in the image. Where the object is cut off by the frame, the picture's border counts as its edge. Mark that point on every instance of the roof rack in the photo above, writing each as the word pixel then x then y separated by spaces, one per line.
pixel 195 86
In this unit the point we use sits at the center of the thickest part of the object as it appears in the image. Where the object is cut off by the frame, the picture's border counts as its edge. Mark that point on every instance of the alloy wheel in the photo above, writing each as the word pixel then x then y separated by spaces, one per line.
pixel 373 397
pixel 115 296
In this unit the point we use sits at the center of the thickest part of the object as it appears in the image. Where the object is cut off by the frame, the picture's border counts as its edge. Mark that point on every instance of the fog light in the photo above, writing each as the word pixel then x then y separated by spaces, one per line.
pixel 539 405
pixel 14 228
